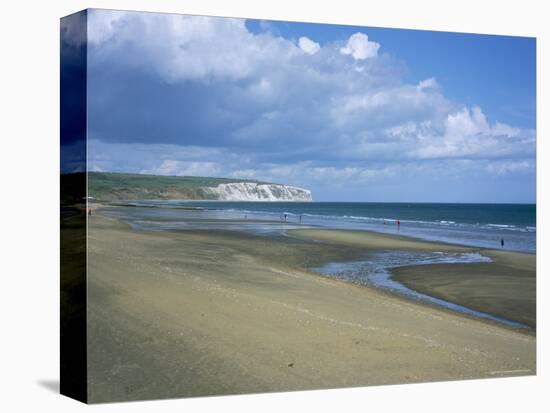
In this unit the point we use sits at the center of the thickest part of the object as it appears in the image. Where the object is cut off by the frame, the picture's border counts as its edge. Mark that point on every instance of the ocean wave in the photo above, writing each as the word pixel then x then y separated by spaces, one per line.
pixel 509 227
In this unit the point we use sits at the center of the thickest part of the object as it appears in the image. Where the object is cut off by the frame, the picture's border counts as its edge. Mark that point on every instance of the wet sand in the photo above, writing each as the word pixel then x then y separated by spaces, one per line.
pixel 505 287
pixel 495 288
pixel 222 312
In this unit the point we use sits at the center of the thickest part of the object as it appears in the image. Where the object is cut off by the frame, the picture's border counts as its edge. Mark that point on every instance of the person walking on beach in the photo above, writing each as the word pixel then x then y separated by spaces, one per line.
pixel 300 219
pixel 398 224
pixel 502 243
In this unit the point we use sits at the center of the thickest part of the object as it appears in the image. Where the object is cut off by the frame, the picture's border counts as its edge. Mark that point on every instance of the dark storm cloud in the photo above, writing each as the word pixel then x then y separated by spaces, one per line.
pixel 73 72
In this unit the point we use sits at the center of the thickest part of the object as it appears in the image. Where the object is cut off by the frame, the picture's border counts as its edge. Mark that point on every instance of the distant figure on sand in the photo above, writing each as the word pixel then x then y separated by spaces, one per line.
pixel 300 219
pixel 501 243
pixel 398 224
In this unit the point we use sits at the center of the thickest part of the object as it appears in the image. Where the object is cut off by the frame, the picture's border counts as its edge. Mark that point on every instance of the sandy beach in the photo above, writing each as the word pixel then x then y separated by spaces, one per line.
pixel 505 287
pixel 198 313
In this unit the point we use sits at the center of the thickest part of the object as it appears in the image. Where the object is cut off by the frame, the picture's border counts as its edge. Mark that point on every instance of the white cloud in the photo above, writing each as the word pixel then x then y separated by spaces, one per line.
pixel 430 83
pixel 184 168
pixel 502 129
pixel 282 116
pixel 360 47
pixel 308 46
pixel 466 122
pixel 388 106
pixel 181 47
pixel 511 166
pixel 467 133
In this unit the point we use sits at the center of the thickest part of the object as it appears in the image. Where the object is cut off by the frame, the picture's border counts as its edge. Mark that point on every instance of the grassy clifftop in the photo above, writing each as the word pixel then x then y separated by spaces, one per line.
pixel 123 186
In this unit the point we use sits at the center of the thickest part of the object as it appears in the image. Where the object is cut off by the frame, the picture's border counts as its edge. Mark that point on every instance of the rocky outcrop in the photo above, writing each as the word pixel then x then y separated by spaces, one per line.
pixel 252 191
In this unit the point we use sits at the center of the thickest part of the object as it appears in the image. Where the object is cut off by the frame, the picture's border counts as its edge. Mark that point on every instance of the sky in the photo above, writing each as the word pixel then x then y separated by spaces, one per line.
pixel 351 113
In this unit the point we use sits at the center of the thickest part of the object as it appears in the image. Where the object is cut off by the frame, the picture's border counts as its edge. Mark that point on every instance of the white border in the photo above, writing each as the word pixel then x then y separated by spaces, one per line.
pixel 29 216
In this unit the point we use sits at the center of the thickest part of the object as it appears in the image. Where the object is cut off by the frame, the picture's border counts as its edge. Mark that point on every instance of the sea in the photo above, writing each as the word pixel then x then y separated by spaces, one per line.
pixel 510 227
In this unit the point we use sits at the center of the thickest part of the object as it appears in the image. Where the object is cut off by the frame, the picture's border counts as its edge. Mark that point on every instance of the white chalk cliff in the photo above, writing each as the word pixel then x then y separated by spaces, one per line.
pixel 252 191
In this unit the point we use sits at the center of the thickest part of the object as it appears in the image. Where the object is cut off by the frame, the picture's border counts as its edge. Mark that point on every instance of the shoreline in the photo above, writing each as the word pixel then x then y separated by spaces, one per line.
pixel 428 275
pixel 448 246
pixel 200 313
pixel 438 231
pixel 373 240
